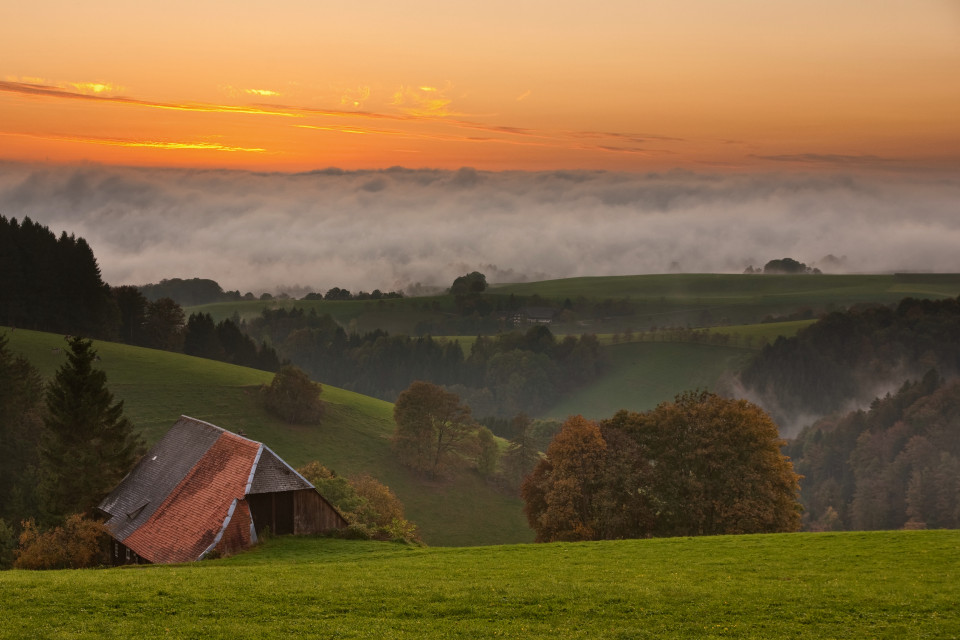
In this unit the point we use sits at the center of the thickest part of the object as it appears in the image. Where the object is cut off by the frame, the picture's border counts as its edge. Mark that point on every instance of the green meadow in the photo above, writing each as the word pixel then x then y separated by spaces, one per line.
pixel 641 375
pixel 903 584
pixel 158 386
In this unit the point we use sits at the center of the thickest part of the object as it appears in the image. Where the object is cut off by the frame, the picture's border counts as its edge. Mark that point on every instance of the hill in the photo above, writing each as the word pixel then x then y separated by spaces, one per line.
pixel 848 585
pixel 158 386
pixel 615 303
pixel 641 375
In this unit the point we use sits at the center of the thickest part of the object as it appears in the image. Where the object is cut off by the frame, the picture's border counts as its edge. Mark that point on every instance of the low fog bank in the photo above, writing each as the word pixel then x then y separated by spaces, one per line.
pixel 394 228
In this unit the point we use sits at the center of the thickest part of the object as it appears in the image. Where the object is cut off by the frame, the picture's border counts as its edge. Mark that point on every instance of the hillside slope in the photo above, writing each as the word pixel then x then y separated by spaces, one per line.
pixel 158 386
pixel 901 584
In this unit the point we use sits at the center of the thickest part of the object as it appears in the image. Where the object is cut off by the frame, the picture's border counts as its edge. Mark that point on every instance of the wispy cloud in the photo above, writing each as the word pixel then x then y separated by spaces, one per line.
pixel 153 144
pixel 45 91
pixel 523 96
pixel 423 101
pixel 260 92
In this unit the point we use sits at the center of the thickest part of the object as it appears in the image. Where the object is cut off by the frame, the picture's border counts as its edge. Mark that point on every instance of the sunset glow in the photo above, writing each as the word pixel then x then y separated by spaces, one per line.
pixel 732 86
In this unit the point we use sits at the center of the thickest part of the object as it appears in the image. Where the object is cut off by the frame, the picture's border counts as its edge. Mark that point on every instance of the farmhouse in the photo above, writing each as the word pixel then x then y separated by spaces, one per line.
pixel 203 490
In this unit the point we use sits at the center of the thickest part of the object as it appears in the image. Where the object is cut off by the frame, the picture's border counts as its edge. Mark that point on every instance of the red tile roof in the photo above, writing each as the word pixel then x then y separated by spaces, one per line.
pixel 188 521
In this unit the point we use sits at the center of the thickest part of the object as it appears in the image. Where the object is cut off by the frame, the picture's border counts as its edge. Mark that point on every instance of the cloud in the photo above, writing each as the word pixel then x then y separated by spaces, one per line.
pixel 430 102
pixel 153 144
pixel 391 228
pixel 46 91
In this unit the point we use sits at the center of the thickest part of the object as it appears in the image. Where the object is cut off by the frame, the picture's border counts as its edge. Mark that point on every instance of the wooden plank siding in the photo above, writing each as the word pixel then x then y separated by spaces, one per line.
pixel 299 512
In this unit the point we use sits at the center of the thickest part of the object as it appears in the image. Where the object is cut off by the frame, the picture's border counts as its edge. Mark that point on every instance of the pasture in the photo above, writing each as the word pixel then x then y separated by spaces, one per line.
pixel 901 584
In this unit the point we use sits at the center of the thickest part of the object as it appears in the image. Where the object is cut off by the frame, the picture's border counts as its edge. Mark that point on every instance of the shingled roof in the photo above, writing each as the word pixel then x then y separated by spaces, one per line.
pixel 188 492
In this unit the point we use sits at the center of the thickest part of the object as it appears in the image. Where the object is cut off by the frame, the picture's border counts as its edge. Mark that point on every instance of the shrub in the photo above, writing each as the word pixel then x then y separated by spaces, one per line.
pixel 293 397
pixel 79 543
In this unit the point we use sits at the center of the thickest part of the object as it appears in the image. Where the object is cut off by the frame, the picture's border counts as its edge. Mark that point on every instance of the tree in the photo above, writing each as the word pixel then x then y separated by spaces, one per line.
pixel 720 468
pixel 701 465
pixel 163 325
pixel 21 400
pixel 561 493
pixel 471 283
pixel 432 426
pixel 488 453
pixel 293 397
pixel 132 306
pixel 87 445
pixel 522 454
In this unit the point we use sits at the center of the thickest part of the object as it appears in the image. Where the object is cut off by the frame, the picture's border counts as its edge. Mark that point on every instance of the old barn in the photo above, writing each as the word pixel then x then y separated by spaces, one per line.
pixel 203 490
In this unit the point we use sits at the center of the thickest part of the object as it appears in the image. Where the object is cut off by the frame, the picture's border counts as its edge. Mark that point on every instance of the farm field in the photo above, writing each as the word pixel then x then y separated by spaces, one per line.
pixel 901 584
pixel 158 386
pixel 644 374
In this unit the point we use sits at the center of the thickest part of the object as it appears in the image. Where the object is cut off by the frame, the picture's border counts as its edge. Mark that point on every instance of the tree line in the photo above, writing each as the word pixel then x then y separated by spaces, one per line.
pixel 501 376
pixel 53 284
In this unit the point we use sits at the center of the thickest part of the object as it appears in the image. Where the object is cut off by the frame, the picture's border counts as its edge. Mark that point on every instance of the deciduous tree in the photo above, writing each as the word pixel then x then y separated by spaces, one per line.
pixel 293 397
pixel 432 426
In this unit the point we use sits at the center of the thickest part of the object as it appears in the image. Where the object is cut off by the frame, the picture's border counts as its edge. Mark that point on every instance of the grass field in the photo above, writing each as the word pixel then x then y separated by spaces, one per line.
pixel 158 386
pixel 644 374
pixel 903 584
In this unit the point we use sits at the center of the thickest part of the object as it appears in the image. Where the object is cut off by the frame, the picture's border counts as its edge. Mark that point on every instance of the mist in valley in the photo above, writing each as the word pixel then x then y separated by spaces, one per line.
pixel 396 228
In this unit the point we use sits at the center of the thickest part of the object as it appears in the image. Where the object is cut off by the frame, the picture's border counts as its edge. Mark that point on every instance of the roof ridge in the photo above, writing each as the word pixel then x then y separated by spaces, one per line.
pixel 220 429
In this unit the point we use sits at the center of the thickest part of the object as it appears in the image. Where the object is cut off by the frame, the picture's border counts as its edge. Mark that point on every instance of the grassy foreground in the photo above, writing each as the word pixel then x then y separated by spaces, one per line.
pixel 845 585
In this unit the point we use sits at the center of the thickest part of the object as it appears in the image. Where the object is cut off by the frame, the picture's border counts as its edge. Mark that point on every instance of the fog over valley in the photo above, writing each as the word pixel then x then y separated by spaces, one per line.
pixel 393 228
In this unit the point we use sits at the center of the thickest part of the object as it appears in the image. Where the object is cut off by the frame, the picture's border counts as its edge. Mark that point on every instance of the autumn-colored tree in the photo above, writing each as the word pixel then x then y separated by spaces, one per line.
pixel 718 464
pixel 432 427
pixel 562 494
pixel 78 544
pixel 700 465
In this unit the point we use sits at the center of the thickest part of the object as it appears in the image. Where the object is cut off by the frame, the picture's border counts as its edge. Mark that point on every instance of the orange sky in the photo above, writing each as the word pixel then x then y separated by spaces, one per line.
pixel 632 86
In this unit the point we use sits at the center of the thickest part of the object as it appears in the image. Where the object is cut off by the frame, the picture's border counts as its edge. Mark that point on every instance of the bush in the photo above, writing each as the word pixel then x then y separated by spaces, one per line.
pixel 79 543
pixel 372 509
pixel 293 397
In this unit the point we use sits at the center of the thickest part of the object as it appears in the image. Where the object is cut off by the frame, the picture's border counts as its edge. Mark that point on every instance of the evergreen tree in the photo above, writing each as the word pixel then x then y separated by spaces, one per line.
pixel 88 445
pixel 21 399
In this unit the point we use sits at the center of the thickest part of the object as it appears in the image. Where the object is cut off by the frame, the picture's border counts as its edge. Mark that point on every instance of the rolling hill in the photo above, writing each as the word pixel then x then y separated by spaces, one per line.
pixel 158 386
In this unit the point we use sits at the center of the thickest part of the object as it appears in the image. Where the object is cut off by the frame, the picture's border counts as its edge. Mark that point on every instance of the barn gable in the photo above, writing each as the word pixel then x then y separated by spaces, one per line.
pixel 191 494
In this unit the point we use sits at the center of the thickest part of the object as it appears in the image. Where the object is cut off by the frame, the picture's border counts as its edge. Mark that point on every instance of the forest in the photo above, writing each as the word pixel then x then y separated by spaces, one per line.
pixel 852 356
pixel 895 465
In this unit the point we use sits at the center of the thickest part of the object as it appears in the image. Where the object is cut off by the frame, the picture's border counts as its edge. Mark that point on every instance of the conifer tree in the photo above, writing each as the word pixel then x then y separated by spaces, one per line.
pixel 88 445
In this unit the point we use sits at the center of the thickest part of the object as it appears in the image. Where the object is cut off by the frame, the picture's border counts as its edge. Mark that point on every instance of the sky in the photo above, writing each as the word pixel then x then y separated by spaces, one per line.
pixel 519 85
pixel 382 144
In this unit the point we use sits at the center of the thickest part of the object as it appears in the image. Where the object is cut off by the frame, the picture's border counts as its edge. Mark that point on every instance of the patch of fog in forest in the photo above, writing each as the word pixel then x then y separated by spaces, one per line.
pixel 393 228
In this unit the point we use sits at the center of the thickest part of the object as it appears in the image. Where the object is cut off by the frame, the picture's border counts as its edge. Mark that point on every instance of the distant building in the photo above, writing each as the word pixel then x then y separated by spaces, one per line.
pixel 203 490
pixel 534 315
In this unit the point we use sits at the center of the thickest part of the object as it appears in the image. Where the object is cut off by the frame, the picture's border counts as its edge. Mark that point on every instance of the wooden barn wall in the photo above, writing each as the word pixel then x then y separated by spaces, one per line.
pixel 312 514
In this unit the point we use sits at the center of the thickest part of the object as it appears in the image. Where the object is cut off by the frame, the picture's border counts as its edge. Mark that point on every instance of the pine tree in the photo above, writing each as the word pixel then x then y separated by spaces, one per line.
pixel 88 445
